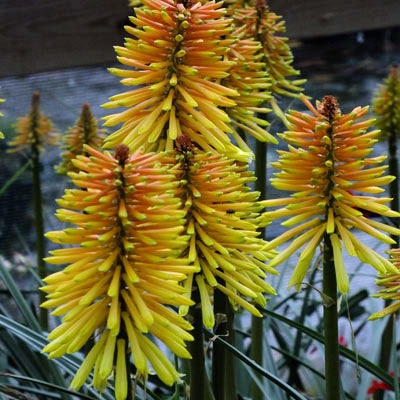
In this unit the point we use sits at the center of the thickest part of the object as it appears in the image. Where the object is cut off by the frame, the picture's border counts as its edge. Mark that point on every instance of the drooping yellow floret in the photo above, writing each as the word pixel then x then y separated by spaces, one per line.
pixel 84 132
pixel 224 244
pixel 179 58
pixel 390 282
pixel 125 270
pixel 327 168
pixel 33 129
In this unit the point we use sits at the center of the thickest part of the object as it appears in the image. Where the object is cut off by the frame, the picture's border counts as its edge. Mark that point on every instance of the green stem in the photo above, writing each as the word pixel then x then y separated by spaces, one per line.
pixel 197 366
pixel 230 373
pixel 332 371
pixel 218 356
pixel 256 351
pixel 38 206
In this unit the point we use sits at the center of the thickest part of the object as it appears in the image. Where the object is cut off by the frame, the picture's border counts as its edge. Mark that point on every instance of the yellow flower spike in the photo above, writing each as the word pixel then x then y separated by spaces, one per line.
pixel 386 105
pixel 127 262
pixel 266 27
pixel 33 130
pixel 84 132
pixel 323 187
pixel 389 282
pixel 221 221
pixel 180 57
pixel 252 83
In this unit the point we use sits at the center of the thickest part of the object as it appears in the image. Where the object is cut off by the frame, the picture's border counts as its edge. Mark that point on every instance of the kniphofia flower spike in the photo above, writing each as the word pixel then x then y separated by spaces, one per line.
pixel 390 283
pixel 224 243
pixel 251 80
pixel 33 129
pixel 386 104
pixel 125 271
pixel 267 27
pixel 84 132
pixel 326 165
pixel 179 58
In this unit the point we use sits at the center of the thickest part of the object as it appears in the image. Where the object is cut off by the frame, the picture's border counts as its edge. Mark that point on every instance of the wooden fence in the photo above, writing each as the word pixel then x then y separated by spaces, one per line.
pixel 41 35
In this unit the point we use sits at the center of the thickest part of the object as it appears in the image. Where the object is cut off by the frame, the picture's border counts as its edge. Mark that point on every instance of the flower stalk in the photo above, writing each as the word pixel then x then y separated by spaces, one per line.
pixel 197 363
pixel 34 131
pixel 219 383
pixel 38 212
pixel 256 350
pixel 332 370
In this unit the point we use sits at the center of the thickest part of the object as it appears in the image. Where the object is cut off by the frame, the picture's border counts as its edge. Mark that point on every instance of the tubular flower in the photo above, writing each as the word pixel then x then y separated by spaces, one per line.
pixel 326 163
pixel 84 132
pixel 125 271
pixel 250 79
pixel 178 56
pixel 33 129
pixel 266 27
pixel 224 246
pixel 386 104
pixel 390 282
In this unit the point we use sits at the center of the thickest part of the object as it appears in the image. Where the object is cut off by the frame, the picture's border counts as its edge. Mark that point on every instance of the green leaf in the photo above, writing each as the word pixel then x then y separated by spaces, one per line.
pixel 19 299
pixel 70 363
pixel 22 355
pixel 347 353
pixel 14 178
pixel 283 385
pixel 30 389
pixel 49 385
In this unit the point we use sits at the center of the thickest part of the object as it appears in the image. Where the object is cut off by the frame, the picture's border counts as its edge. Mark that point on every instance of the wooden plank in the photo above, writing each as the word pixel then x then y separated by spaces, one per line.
pixel 41 35
pixel 315 18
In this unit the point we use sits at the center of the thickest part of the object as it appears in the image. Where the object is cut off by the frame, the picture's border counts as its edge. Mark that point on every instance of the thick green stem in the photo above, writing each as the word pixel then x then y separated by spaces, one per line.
pixel 218 357
pixel 197 366
pixel 38 206
pixel 230 371
pixel 223 363
pixel 256 352
pixel 332 371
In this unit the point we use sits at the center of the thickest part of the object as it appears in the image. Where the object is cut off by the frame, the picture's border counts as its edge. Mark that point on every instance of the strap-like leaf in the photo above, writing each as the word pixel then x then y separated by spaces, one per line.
pixel 47 384
pixel 19 299
pixel 241 356
pixel 14 177
pixel 347 353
